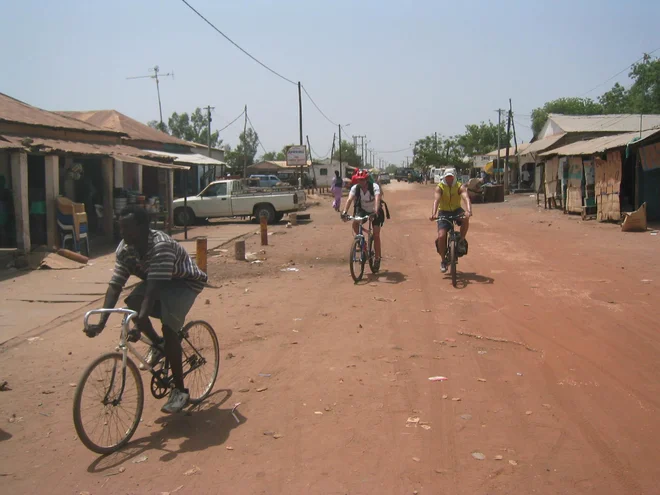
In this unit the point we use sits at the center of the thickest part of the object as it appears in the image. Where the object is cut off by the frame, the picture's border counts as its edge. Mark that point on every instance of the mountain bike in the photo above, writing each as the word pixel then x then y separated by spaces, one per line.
pixel 109 398
pixel 453 252
pixel 359 255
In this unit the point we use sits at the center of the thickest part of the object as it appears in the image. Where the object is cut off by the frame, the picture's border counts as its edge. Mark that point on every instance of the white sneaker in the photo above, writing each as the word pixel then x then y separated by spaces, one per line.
pixel 177 401
pixel 153 356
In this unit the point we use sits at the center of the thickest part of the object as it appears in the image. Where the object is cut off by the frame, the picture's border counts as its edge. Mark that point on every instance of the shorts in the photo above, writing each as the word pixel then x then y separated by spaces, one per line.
pixel 377 222
pixel 173 303
pixel 444 224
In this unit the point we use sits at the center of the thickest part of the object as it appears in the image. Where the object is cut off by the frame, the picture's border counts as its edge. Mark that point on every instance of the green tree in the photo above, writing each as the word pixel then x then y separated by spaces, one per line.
pixel 348 154
pixel 644 94
pixel 160 126
pixel 616 100
pixel 269 156
pixel 565 106
pixel 244 153
pixel 193 128
pixel 391 169
pixel 481 138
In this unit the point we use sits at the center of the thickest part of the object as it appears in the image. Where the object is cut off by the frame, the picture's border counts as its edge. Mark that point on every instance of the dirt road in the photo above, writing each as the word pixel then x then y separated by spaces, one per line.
pixel 549 345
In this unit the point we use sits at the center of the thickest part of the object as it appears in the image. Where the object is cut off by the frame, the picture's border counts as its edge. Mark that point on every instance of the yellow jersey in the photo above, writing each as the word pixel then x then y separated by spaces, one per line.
pixel 451 197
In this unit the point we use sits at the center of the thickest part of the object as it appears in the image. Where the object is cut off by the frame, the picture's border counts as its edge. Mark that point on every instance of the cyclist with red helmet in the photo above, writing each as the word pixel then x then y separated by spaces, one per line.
pixel 366 195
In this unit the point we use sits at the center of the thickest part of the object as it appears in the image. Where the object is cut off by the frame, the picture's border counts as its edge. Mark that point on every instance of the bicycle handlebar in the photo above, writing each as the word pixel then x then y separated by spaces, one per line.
pixel 128 312
pixel 351 217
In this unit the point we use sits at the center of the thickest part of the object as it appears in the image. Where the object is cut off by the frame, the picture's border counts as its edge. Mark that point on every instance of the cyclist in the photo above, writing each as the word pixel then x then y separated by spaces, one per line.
pixel 448 196
pixel 170 284
pixel 366 195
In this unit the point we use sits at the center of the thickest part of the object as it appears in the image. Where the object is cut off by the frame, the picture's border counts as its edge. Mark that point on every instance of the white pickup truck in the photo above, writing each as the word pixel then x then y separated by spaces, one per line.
pixel 231 198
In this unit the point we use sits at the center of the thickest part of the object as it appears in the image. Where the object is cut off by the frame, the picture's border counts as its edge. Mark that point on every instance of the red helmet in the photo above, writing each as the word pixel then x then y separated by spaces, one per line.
pixel 358 175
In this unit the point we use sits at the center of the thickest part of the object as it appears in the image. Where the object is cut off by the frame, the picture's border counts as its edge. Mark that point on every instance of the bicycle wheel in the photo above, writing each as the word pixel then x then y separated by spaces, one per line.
pixel 452 261
pixel 356 261
pixel 373 266
pixel 201 359
pixel 108 402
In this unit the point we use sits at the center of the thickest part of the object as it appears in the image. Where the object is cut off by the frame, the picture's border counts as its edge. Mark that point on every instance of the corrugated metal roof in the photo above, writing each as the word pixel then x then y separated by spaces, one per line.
pixel 542 144
pixel 189 158
pixel 604 123
pixel 512 150
pixel 601 144
pixel 119 151
pixel 117 121
pixel 16 112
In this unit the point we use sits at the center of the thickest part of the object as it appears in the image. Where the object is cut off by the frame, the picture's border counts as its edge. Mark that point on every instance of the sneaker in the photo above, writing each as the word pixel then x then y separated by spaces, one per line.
pixel 377 264
pixel 153 356
pixel 176 402
pixel 443 267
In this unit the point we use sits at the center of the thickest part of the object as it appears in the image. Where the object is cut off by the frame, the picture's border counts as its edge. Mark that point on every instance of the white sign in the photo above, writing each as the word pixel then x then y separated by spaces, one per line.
pixel 296 156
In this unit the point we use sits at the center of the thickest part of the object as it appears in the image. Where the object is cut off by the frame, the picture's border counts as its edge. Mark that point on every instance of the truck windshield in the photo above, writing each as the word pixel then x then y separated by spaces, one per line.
pixel 217 189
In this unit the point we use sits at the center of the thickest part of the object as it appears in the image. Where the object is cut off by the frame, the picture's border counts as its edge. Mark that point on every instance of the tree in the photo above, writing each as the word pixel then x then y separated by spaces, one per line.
pixel 348 154
pixel 644 94
pixel 244 152
pixel 615 100
pixel 160 126
pixel 565 106
pixel 269 156
pixel 193 128
pixel 391 169
pixel 479 139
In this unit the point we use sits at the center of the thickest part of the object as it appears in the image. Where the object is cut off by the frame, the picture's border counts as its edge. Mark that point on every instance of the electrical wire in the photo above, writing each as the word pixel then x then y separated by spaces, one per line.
pixel 236 44
pixel 395 151
pixel 233 121
pixel 256 134
pixel 620 72
pixel 317 107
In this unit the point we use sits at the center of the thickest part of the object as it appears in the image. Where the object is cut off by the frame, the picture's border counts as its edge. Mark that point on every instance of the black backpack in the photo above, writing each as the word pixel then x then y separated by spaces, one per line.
pixel 358 203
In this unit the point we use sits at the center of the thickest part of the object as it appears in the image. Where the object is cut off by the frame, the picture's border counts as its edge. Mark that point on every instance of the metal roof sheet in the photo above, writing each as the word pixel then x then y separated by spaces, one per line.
pixel 542 144
pixel 601 144
pixel 605 123
pixel 188 158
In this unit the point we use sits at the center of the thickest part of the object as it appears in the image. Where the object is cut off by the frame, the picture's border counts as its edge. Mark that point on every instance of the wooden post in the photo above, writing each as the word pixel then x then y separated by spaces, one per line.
pixel 19 178
pixel 263 221
pixel 200 253
pixel 51 162
pixel 107 169
pixel 239 250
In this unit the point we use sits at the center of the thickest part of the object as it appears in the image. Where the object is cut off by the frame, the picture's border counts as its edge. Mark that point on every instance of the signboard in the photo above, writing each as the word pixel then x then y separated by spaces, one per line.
pixel 296 156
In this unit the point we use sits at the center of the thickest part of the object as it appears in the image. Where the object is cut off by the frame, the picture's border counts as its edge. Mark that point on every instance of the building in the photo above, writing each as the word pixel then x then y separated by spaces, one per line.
pixel 202 168
pixel 44 155
pixel 611 174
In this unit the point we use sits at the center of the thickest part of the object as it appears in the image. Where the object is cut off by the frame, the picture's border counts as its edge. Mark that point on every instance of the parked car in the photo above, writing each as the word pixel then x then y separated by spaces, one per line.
pixel 384 178
pixel 231 198
pixel 266 180
pixel 403 173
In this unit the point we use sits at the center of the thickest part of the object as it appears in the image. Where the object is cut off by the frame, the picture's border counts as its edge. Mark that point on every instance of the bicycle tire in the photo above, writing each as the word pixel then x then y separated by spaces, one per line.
pixel 78 422
pixel 356 247
pixel 190 349
pixel 372 257
pixel 452 261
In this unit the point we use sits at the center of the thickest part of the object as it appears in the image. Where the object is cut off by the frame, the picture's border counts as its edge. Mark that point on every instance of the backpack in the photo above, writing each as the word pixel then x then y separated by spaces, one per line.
pixel 358 203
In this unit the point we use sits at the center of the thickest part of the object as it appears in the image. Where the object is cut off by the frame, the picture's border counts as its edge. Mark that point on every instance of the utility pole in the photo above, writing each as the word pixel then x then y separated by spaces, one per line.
pixel 436 143
pixel 301 128
pixel 355 138
pixel 508 147
pixel 515 142
pixel 244 144
pixel 362 151
pixel 208 138
pixel 355 142
pixel 332 152
pixel 499 125
pixel 340 174
pixel 155 76
pixel 311 161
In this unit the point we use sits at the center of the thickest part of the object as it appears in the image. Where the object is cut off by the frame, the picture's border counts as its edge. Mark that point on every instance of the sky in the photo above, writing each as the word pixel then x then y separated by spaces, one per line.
pixel 394 71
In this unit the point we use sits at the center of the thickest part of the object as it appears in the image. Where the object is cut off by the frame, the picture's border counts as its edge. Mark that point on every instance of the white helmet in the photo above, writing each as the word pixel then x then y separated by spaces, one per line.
pixel 448 172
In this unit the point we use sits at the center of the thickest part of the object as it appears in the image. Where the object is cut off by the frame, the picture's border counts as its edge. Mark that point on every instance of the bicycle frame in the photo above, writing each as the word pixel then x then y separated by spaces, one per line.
pixel 364 240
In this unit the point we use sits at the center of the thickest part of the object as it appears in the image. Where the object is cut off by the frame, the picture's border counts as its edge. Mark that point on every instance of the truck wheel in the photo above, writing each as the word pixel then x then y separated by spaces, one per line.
pixel 183 216
pixel 265 209
pixel 279 217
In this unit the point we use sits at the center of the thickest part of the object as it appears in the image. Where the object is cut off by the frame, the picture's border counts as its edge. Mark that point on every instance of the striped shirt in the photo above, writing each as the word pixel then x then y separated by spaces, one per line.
pixel 165 260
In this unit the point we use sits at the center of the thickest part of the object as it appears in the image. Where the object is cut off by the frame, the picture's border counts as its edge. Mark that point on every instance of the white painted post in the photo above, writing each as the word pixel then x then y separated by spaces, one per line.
pixel 108 202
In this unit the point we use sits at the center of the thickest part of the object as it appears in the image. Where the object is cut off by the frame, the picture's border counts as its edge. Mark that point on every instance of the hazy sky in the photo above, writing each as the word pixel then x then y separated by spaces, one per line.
pixel 396 71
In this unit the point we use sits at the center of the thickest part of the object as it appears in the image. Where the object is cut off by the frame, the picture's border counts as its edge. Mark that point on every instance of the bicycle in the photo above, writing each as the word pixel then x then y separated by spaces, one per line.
pixel 359 254
pixel 453 238
pixel 120 395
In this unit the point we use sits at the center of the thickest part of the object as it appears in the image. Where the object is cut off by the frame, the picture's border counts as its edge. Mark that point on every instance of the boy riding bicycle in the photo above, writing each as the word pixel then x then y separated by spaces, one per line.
pixel 170 284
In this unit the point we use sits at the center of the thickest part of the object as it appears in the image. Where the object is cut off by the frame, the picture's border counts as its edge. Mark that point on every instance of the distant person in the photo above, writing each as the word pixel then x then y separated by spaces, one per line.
pixel 337 186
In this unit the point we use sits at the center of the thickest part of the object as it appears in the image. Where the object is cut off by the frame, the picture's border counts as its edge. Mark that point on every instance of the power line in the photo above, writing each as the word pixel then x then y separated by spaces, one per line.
pixel 256 134
pixel 220 130
pixel 317 107
pixel 317 155
pixel 395 151
pixel 236 45
pixel 620 72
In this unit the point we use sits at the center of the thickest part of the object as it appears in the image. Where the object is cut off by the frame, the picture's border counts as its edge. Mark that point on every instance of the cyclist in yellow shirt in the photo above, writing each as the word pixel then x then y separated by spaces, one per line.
pixel 449 196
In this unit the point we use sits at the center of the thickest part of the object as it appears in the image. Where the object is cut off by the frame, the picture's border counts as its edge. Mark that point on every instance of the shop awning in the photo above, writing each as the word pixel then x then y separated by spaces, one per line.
pixel 149 163
pixel 601 144
pixel 188 158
